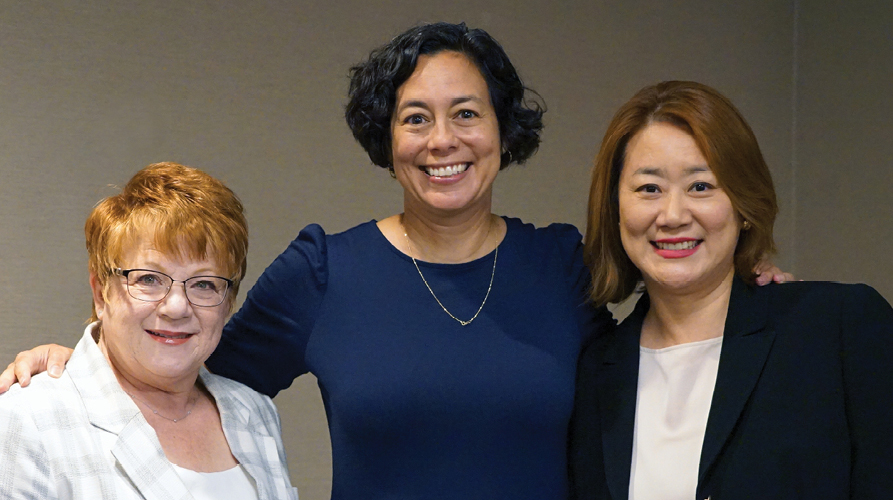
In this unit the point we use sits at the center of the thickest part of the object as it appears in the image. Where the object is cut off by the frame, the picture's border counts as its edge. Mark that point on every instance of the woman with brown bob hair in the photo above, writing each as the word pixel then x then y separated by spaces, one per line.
pixel 731 150
pixel 444 337
pixel 713 387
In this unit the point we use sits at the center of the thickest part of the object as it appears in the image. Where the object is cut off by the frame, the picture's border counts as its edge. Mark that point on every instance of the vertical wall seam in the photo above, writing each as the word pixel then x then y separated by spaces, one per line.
pixel 794 159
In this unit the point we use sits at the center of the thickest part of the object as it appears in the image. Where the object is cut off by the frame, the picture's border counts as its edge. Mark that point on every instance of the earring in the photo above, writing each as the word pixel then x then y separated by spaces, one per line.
pixel 391 171
pixel 507 152
pixel 746 225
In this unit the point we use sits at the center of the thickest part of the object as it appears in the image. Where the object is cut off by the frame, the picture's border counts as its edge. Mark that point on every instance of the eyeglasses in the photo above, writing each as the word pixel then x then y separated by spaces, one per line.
pixel 153 286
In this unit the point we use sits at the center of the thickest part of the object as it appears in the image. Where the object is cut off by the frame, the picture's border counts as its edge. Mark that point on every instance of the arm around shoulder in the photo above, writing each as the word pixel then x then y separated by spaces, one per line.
pixel 49 357
pixel 264 343
pixel 594 321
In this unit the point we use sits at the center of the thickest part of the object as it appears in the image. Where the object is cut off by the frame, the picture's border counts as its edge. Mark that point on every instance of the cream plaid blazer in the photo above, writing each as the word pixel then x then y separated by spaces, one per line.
pixel 82 437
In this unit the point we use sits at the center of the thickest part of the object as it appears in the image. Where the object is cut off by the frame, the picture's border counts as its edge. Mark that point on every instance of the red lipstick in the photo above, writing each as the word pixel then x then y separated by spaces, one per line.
pixel 676 248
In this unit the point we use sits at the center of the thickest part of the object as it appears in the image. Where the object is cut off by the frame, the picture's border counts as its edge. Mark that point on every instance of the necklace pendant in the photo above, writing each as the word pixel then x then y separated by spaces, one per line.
pixel 155 412
pixel 487 295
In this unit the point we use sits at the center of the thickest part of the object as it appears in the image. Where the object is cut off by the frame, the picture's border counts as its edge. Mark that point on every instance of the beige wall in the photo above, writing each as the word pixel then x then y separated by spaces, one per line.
pixel 254 93
pixel 843 160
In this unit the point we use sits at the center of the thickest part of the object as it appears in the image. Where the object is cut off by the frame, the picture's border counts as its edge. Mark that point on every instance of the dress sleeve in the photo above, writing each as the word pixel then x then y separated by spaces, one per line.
pixel 594 321
pixel 867 358
pixel 263 345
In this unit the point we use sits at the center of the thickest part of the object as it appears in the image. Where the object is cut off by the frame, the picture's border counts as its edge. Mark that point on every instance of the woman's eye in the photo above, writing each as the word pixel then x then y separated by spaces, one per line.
pixel 701 186
pixel 648 188
pixel 148 280
pixel 467 114
pixel 414 120
pixel 204 285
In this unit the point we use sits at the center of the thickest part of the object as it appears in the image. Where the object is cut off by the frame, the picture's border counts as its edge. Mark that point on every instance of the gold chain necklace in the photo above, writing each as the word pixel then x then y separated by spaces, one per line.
pixel 153 410
pixel 489 287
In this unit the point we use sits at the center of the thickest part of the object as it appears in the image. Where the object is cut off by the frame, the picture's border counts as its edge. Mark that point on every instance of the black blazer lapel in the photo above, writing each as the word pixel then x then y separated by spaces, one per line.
pixel 616 385
pixel 746 345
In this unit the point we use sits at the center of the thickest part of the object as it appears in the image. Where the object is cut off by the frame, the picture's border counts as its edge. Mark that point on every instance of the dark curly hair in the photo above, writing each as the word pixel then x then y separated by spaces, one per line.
pixel 374 84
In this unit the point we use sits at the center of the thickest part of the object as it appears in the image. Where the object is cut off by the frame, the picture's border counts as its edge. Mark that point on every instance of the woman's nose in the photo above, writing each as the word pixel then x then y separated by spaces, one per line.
pixel 175 304
pixel 675 212
pixel 443 137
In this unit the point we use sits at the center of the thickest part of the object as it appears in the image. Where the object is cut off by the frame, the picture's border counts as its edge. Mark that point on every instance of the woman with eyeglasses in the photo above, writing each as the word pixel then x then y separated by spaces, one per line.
pixel 444 338
pixel 135 415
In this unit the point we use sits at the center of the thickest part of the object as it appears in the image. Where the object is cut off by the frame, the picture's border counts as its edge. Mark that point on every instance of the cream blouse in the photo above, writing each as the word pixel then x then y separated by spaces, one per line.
pixel 233 484
pixel 672 404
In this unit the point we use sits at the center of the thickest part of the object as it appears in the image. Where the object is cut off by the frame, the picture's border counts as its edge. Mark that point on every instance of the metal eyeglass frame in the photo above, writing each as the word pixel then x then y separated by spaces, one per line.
pixel 125 272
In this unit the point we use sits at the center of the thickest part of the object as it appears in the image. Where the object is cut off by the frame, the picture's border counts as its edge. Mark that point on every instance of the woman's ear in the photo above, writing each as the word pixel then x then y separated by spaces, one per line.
pixel 98 295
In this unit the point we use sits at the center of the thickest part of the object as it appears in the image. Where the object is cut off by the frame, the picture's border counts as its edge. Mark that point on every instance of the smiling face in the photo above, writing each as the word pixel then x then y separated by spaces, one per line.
pixel 676 224
pixel 446 147
pixel 164 343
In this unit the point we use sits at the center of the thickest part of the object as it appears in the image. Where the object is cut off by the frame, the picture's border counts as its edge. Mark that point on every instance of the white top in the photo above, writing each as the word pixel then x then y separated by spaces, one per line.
pixel 672 404
pixel 232 483
pixel 82 436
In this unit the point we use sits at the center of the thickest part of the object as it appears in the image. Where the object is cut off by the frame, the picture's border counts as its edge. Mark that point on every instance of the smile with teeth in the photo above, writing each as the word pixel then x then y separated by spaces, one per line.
pixel 170 337
pixel 684 245
pixel 447 171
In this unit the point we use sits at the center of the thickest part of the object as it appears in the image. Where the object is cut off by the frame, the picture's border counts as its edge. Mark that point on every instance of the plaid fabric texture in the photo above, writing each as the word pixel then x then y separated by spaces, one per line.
pixel 82 437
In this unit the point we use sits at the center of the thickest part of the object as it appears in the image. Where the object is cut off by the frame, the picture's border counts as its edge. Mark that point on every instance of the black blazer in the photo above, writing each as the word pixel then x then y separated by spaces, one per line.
pixel 802 408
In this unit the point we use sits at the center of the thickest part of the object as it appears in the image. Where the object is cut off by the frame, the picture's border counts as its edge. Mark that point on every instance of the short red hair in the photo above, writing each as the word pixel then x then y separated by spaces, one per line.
pixel 184 210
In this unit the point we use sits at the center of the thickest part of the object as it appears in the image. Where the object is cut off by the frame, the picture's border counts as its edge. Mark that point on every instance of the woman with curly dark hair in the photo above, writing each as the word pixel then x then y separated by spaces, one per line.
pixel 444 338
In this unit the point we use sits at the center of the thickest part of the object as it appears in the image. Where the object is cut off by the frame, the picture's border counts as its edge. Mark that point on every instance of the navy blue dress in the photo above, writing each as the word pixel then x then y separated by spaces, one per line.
pixel 418 405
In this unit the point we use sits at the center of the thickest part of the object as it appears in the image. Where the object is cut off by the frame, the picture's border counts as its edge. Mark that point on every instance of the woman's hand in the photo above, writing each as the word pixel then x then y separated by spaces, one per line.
pixel 766 272
pixel 35 361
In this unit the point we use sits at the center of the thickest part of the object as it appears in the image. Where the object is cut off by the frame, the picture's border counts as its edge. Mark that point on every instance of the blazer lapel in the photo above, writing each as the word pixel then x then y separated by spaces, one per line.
pixel 142 459
pixel 108 407
pixel 255 450
pixel 746 345
pixel 264 447
pixel 616 384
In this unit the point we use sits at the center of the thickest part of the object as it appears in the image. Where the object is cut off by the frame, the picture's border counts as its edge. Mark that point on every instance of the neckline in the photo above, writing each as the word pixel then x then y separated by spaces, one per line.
pixel 219 473
pixel 485 259
pixel 696 343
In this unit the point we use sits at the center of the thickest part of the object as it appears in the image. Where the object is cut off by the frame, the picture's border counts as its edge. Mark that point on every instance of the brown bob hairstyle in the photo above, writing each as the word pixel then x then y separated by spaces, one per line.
pixel 185 211
pixel 731 151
